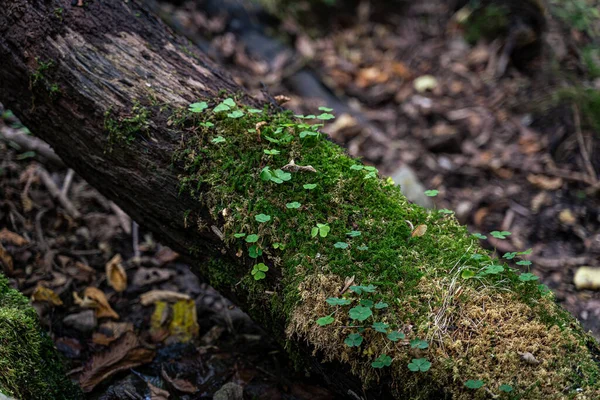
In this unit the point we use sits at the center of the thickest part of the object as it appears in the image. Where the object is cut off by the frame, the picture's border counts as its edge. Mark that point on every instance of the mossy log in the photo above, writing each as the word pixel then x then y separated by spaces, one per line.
pixel 29 365
pixel 109 88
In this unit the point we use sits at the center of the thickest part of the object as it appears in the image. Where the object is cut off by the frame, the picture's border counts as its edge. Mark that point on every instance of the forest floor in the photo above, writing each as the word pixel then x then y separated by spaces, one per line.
pixel 502 148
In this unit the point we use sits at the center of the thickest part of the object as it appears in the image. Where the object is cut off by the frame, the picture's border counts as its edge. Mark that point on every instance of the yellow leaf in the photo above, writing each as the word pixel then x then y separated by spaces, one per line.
pixel 12 238
pixel 419 231
pixel 42 293
pixel 115 274
pixel 587 278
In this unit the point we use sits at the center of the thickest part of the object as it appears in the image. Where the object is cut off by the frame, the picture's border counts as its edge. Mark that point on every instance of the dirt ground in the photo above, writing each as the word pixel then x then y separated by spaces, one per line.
pixel 489 137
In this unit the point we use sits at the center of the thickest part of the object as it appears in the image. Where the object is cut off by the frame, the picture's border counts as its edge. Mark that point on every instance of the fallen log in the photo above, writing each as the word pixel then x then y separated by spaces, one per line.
pixel 381 297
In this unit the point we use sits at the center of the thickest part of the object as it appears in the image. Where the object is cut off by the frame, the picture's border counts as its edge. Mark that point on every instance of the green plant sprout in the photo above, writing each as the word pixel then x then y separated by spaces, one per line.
pixel 431 193
pixel 323 321
pixel 293 205
pixel 500 234
pixel 360 313
pixel 341 245
pixel 419 365
pixel 252 238
pixel 419 344
pixel 382 361
pixel 353 340
pixel 198 107
pixel 262 218
pixel 334 301
pixel 258 271
pixel 321 229
pixel 474 384
pixel 395 336
pixel 506 388
pixel 380 327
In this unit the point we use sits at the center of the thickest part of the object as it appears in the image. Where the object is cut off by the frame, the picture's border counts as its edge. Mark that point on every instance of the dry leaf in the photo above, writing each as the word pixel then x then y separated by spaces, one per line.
pixel 149 276
pixel 115 274
pixel 293 167
pixel 165 255
pixel 15 239
pixel 545 182
pixel 161 295
pixel 96 299
pixel 282 99
pixel 370 76
pixel 587 278
pixel 180 384
pixel 347 283
pixel 529 358
pixel 419 231
pixel 110 331
pixel 6 261
pixel 44 294
pixel 567 217
pixel 125 353
pixel 157 393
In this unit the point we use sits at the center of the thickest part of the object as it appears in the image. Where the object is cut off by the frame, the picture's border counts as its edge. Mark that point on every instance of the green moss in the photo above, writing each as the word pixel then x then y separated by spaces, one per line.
pixel 489 21
pixel 30 367
pixel 125 129
pixel 588 102
pixel 226 169
pixel 40 79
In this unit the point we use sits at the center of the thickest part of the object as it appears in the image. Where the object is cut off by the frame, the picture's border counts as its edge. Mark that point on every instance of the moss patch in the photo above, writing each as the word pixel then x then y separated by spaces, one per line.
pixel 332 224
pixel 125 129
pixel 29 365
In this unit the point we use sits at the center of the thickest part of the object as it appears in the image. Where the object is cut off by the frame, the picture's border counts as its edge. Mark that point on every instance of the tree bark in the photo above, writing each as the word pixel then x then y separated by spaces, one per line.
pixel 108 86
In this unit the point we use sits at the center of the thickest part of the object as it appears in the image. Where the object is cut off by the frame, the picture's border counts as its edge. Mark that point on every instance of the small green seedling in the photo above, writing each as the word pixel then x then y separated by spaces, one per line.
pixel 221 108
pixel 218 139
pixel 239 235
pixel 524 262
pixel 506 388
pixel 252 238
pixel 254 251
pixel 381 305
pixel 380 327
pixel 360 289
pixel 360 313
pixel 431 193
pixel 474 384
pixel 492 270
pixel 321 229
pixel 325 116
pixel 262 218
pixel 419 365
pixel 366 303
pixel 323 321
pixel 362 248
pixel 353 233
pixel 446 211
pixel 235 114
pixel 353 340
pixel 272 152
pixel 419 344
pixel 467 274
pixel 293 205
pixel 500 234
pixel 395 336
pixel 341 245
pixel 309 186
pixel 480 236
pixel 198 107
pixel 254 111
pixel 382 361
pixel 527 277
pixel 278 176
pixel 335 301
pixel 510 255
pixel 258 271
pixel 325 109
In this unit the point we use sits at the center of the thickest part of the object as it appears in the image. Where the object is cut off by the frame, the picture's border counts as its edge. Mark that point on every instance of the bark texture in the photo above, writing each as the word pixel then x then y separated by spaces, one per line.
pixel 105 86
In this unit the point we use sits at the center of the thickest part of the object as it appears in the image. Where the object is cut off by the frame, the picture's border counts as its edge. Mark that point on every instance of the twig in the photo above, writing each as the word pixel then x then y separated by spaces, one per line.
pixel 67 182
pixel 584 154
pixel 56 193
pixel 30 143
pixel 124 219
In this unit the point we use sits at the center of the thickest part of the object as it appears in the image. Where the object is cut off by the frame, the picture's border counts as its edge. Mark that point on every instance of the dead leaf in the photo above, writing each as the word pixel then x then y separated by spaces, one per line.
pixel 165 255
pixel 44 294
pixel 293 167
pixel 347 283
pixel 125 353
pixel 6 260
pixel 115 274
pixel 587 278
pixel 370 76
pixel 15 239
pixel 529 358
pixel 567 217
pixel 96 299
pixel 545 182
pixel 180 384
pixel 184 325
pixel 282 99
pixel 162 295
pixel 400 69
pixel 161 317
pixel 157 393
pixel 419 231
pixel 150 276
pixel 110 331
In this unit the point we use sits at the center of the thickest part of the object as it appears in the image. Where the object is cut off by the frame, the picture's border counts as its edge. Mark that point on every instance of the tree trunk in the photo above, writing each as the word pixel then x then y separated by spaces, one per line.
pixel 109 88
